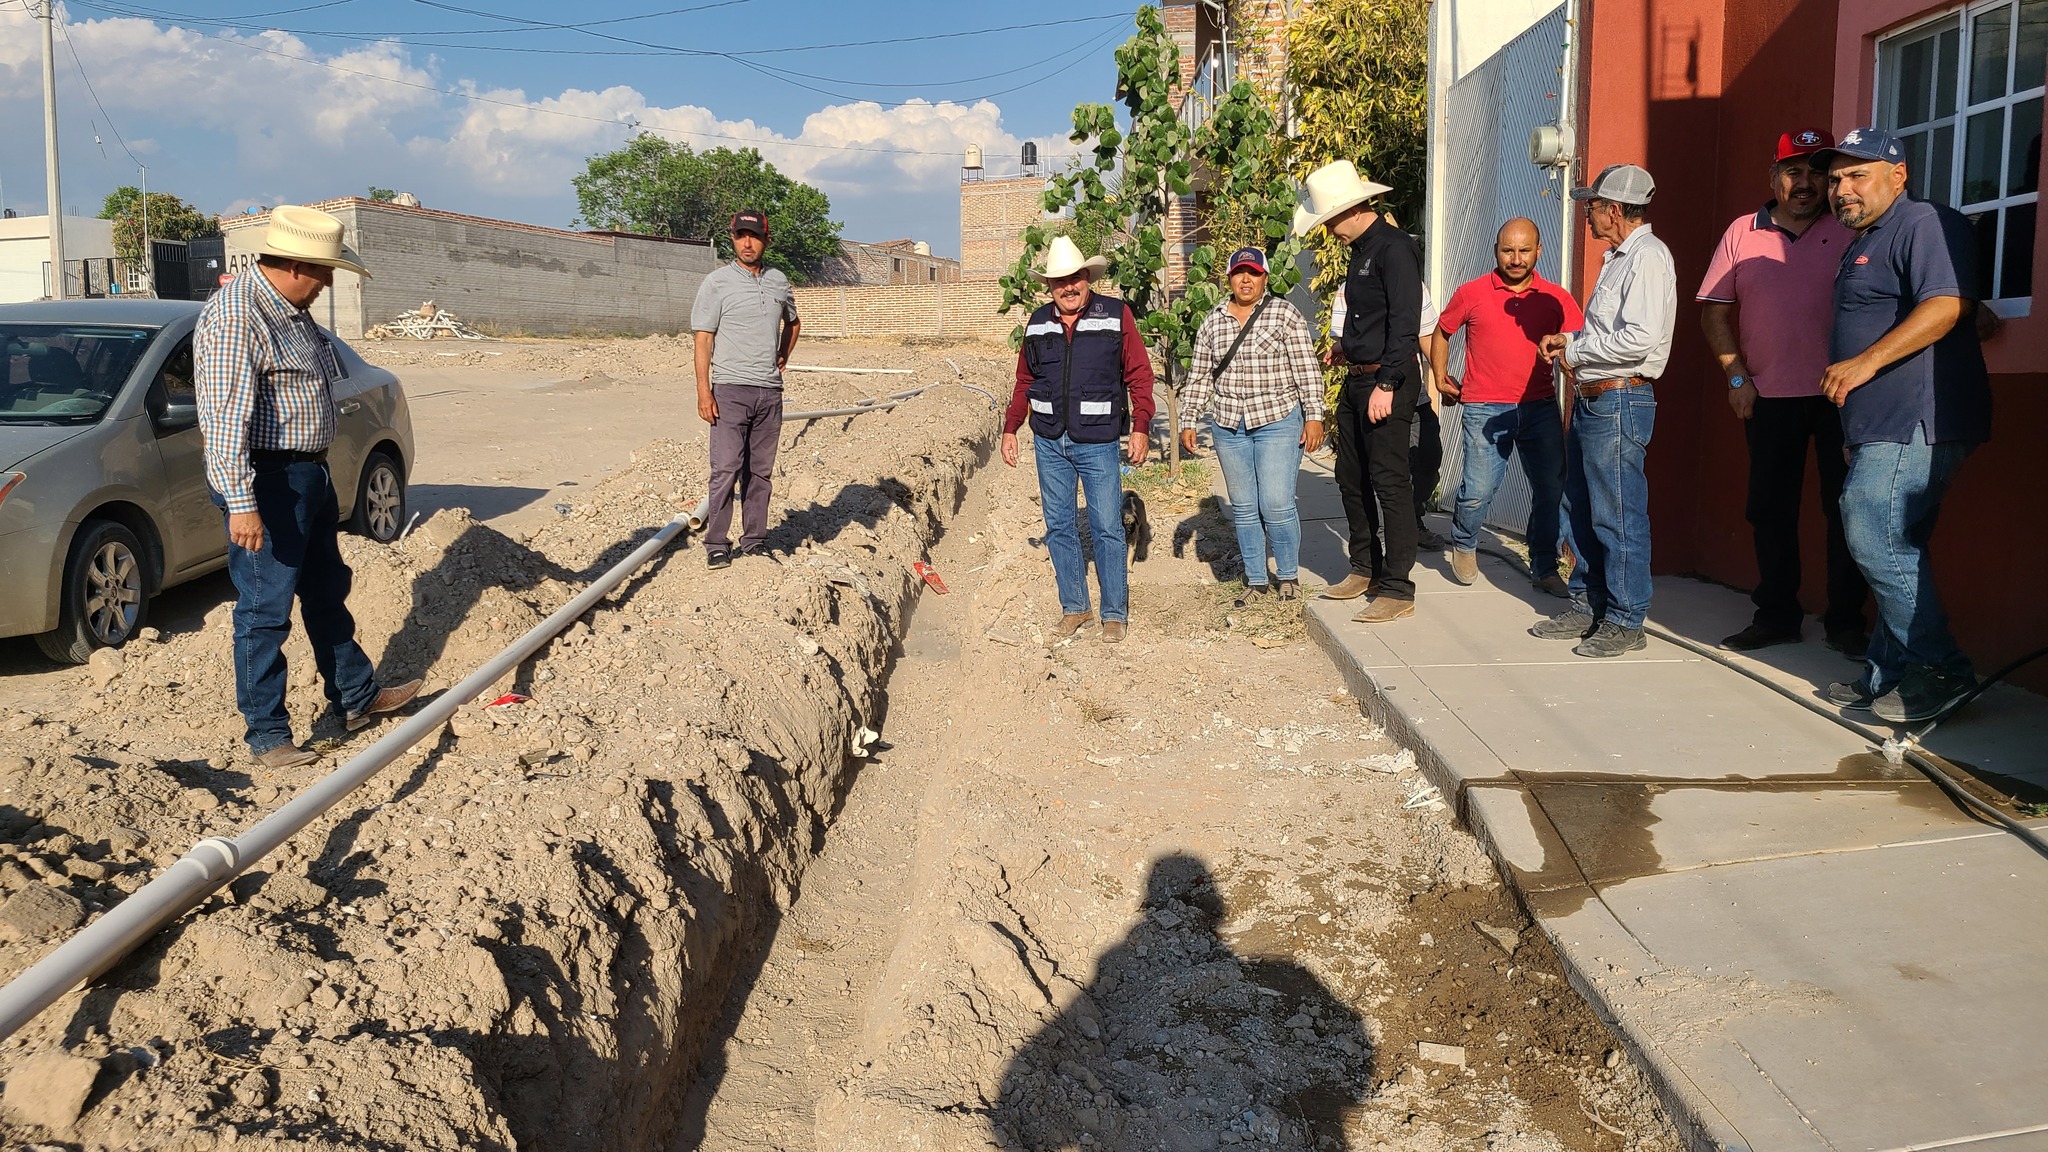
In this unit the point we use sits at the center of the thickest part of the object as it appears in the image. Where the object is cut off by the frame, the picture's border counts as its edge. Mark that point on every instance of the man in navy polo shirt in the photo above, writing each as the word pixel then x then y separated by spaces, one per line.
pixel 1908 373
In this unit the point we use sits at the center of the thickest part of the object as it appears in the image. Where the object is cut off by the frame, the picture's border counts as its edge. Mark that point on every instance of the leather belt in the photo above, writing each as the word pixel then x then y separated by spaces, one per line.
pixel 1361 369
pixel 1596 387
pixel 286 456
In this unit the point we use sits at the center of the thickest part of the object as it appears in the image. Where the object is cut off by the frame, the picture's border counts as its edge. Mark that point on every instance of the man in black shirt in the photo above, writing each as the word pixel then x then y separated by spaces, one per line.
pixel 1383 298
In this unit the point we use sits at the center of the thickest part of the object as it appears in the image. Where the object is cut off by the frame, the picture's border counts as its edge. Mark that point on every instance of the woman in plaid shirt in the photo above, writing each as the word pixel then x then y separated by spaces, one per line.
pixel 1265 407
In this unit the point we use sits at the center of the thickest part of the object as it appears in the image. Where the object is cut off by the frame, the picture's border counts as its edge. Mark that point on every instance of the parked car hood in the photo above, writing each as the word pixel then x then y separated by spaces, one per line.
pixel 18 442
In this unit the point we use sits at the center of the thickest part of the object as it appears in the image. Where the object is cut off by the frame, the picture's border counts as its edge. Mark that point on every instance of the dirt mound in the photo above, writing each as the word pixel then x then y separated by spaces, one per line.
pixel 518 934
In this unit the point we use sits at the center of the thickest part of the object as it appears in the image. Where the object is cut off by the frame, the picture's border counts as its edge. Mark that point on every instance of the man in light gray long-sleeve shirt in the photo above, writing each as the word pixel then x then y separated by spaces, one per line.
pixel 1615 361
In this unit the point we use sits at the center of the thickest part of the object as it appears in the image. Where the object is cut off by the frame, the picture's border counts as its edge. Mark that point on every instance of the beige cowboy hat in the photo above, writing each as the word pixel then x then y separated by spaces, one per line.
pixel 1063 258
pixel 309 236
pixel 1331 189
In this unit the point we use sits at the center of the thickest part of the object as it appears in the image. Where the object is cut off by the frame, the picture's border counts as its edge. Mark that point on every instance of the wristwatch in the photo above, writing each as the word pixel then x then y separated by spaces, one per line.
pixel 1386 385
pixel 1736 382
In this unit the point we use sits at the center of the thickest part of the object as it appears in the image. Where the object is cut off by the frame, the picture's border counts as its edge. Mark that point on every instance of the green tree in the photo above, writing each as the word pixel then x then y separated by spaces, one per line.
pixel 1123 190
pixel 169 219
pixel 662 188
pixel 383 195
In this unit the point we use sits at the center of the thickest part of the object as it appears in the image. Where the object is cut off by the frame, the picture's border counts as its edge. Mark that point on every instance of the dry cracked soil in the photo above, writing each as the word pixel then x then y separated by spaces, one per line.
pixel 803 854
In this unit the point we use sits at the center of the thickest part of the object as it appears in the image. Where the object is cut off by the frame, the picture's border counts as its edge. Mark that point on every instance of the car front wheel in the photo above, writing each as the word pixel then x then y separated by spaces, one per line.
pixel 105 595
pixel 380 499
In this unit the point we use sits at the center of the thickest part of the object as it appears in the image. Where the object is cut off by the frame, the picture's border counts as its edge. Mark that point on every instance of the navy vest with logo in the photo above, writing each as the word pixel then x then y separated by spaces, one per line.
pixel 1077 383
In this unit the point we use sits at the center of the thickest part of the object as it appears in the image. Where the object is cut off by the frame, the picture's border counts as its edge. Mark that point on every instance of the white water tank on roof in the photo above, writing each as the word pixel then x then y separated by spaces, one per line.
pixel 973 157
pixel 921 248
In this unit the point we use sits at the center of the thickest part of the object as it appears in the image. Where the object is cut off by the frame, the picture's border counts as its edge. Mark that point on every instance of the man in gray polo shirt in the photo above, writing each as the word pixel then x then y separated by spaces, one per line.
pixel 746 324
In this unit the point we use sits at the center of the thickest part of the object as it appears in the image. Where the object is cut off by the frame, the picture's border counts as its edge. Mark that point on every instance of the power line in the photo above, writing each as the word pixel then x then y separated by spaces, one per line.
pixel 80 64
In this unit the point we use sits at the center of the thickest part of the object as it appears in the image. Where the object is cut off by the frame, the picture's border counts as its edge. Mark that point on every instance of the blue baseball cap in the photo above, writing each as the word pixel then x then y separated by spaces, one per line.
pixel 1865 144
pixel 1247 258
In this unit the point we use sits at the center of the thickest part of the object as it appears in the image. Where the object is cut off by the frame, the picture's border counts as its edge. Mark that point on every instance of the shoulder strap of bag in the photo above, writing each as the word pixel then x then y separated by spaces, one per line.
pixel 1217 372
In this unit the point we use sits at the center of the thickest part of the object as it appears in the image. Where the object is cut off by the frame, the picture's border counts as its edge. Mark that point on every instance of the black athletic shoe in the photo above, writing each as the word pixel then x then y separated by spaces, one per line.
pixel 1854 695
pixel 1570 624
pixel 754 550
pixel 718 558
pixel 1757 636
pixel 1611 640
pixel 1924 694
pixel 1853 643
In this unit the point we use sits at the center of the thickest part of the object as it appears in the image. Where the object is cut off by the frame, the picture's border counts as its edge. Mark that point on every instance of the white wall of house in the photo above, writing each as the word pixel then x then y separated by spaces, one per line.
pixel 25 250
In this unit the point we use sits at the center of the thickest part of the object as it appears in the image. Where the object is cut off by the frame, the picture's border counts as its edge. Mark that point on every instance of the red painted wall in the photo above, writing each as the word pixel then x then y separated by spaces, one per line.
pixel 1697 91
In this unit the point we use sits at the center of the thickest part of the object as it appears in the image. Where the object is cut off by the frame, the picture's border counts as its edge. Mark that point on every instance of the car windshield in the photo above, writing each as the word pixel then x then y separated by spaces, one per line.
pixel 65 373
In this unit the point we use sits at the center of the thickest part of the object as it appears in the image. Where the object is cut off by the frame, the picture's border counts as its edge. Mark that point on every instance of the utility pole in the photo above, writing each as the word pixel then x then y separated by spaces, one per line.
pixel 148 254
pixel 51 181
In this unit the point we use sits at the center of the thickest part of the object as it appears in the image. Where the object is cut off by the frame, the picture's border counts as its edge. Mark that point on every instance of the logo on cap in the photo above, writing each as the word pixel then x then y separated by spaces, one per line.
pixel 1808 138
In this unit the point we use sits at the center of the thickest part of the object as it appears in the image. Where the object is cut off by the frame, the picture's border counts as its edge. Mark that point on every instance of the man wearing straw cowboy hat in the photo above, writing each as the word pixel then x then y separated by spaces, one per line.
pixel 265 378
pixel 1383 316
pixel 1085 381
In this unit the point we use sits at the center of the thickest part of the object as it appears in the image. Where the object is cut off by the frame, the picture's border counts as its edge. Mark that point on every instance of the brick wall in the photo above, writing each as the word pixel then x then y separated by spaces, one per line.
pixel 966 308
pixel 993 216
pixel 508 276
pixel 890 262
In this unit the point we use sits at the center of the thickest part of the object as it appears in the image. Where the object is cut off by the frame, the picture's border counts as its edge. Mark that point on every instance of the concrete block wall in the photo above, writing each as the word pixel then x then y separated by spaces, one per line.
pixel 508 276
pixel 966 308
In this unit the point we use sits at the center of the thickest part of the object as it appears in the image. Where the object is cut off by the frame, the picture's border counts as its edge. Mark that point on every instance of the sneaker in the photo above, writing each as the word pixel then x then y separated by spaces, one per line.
pixel 285 756
pixel 1464 566
pixel 1251 592
pixel 1290 590
pixel 1385 608
pixel 1555 585
pixel 753 550
pixel 717 558
pixel 1611 639
pixel 1854 695
pixel 1071 623
pixel 1757 636
pixel 1428 541
pixel 1350 588
pixel 1853 643
pixel 388 700
pixel 1113 631
pixel 1570 624
pixel 1924 694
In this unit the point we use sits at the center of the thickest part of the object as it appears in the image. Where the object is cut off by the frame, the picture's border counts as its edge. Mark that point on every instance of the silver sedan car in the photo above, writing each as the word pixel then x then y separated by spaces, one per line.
pixel 103 494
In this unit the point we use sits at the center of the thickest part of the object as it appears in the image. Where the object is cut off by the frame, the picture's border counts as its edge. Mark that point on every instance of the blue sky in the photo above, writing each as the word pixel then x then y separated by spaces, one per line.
pixel 218 98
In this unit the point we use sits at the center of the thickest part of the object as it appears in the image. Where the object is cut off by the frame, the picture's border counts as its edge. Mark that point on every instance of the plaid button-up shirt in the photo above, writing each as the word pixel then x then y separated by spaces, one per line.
pixel 265 379
pixel 1274 369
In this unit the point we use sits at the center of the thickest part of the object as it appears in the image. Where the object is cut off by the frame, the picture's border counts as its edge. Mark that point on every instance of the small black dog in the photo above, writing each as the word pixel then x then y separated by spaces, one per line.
pixel 1137 526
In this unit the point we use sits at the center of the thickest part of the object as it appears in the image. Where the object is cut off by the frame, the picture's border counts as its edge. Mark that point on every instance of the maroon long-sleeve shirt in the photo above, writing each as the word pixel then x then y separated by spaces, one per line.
pixel 1137 376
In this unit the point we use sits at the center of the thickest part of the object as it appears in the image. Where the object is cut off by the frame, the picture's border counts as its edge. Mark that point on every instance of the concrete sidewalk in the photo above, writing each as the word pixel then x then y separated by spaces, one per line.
pixel 1807 947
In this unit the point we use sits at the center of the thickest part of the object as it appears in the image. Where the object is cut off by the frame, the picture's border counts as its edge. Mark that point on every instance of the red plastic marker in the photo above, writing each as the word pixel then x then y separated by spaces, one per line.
pixel 930 575
pixel 507 700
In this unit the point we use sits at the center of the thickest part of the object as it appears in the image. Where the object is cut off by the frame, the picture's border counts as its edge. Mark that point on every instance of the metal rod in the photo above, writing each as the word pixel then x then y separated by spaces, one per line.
pixel 850 371
pixel 215 860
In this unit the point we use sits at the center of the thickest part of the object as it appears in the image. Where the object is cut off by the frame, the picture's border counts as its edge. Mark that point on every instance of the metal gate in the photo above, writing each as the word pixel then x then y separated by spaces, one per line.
pixel 1481 177
pixel 168 256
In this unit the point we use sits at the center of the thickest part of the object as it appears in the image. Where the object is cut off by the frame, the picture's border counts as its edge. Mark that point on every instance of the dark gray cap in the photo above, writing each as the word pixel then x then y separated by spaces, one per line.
pixel 1619 183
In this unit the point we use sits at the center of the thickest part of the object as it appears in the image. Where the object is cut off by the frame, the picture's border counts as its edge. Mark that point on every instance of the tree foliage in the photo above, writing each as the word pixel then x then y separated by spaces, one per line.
pixel 383 195
pixel 658 187
pixel 169 219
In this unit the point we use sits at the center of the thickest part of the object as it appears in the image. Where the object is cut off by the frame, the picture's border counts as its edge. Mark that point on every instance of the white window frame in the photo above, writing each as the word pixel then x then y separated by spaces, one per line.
pixel 1962 18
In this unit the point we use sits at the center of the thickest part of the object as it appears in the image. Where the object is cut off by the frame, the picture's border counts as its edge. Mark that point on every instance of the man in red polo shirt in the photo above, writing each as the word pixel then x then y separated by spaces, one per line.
pixel 1506 401
pixel 1767 304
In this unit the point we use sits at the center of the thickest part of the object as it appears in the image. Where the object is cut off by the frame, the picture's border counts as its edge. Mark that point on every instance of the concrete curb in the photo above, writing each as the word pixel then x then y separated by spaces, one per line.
pixel 1699 1123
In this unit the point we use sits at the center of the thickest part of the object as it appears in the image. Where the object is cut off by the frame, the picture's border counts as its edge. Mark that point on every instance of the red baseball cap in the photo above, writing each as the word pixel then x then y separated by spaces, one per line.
pixel 1804 142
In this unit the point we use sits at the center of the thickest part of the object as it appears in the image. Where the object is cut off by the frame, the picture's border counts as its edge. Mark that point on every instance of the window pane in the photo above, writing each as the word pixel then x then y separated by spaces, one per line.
pixel 1913 80
pixel 1947 61
pixel 2017 275
pixel 1989 33
pixel 2031 61
pixel 2023 164
pixel 1917 171
pixel 1942 161
pixel 1982 151
pixel 1986 225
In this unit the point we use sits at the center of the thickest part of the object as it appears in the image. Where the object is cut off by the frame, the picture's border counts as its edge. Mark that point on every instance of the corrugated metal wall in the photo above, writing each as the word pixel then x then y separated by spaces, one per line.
pixel 1487 179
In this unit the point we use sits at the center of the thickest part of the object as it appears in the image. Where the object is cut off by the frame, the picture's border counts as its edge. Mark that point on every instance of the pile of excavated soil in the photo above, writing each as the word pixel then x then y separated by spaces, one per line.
pixel 519 933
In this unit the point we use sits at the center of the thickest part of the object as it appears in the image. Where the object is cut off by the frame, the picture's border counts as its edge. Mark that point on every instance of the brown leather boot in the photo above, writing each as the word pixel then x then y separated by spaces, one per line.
pixel 1464 566
pixel 1385 608
pixel 285 756
pixel 388 700
pixel 1113 631
pixel 1350 588
pixel 1071 623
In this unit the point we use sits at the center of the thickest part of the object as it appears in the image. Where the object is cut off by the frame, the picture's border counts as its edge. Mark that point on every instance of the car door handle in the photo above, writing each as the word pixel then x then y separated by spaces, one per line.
pixel 350 407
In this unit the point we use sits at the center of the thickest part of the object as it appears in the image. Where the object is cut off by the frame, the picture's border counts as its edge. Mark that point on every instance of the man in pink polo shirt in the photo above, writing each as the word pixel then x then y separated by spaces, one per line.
pixel 1767 305
pixel 1507 403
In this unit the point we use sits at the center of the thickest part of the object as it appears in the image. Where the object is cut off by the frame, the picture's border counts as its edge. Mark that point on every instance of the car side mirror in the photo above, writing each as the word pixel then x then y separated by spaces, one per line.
pixel 177 416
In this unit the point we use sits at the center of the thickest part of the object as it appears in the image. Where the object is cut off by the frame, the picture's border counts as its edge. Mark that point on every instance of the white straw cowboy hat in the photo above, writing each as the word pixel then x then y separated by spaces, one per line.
pixel 1062 258
pixel 1331 189
pixel 309 236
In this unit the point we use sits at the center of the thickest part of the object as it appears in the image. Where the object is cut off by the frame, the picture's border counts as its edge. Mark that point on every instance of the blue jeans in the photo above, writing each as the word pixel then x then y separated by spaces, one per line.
pixel 1533 430
pixel 301 557
pixel 1259 469
pixel 1065 467
pixel 1608 498
pixel 1889 504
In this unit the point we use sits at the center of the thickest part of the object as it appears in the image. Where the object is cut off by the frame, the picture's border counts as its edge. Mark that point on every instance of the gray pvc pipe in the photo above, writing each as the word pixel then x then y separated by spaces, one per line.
pixel 886 402
pixel 849 371
pixel 215 860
